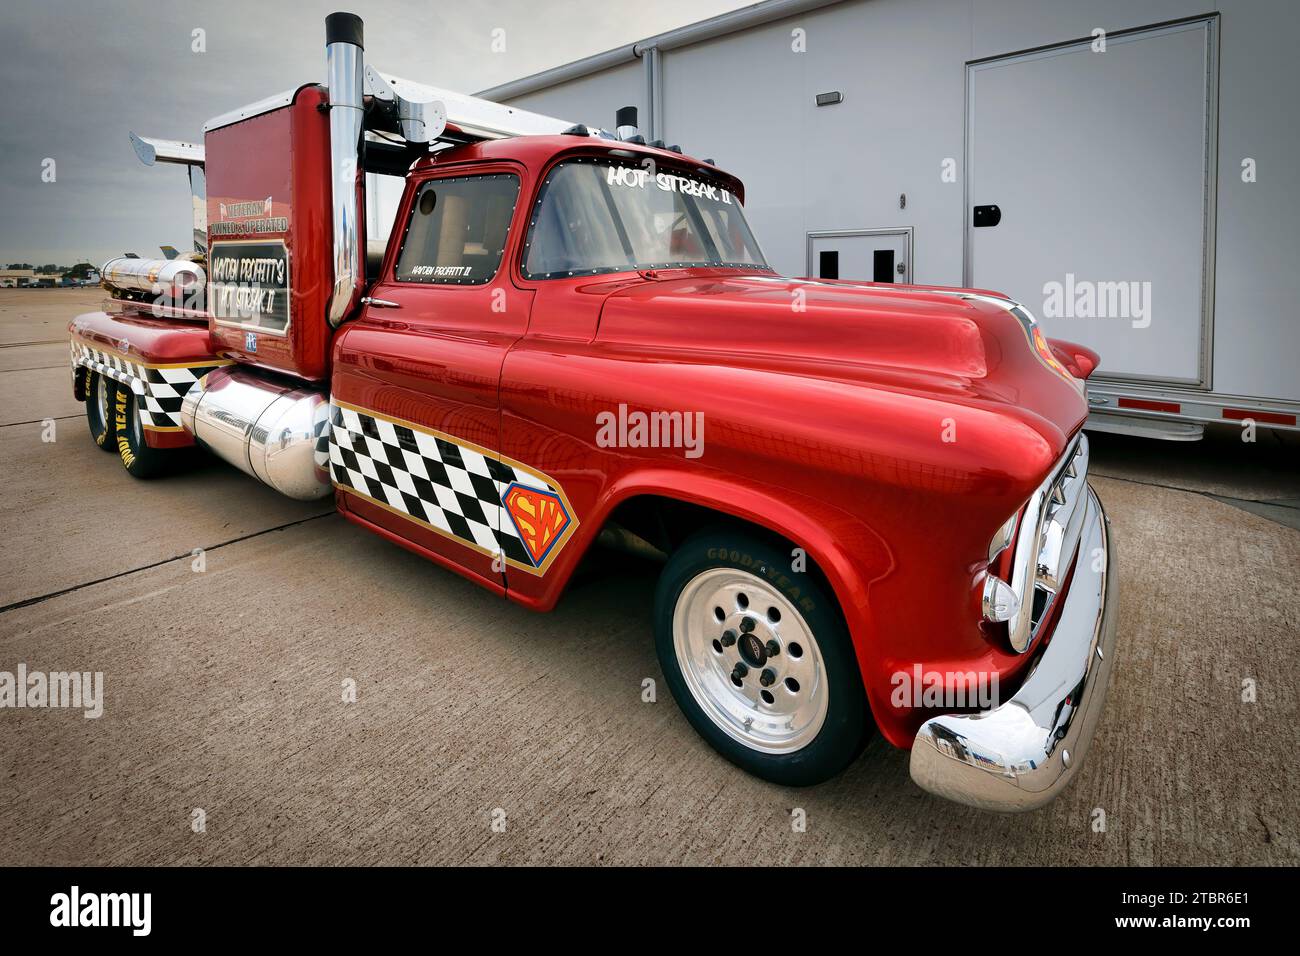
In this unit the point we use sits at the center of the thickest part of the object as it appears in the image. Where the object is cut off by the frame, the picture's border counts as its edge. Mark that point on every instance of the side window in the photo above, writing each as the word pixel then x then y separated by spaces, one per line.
pixel 457 230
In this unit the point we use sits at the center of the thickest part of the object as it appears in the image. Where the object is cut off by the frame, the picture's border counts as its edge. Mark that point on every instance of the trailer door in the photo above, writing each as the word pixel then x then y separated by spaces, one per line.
pixel 1090 194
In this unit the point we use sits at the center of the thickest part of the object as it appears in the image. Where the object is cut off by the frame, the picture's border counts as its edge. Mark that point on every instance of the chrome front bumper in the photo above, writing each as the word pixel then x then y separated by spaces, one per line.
pixel 1020 755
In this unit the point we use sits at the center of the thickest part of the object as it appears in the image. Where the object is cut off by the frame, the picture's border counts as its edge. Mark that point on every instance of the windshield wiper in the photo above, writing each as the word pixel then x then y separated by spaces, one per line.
pixel 614 216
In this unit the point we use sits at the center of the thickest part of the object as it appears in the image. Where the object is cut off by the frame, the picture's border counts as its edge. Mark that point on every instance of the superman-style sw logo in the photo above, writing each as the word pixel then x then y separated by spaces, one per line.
pixel 539 516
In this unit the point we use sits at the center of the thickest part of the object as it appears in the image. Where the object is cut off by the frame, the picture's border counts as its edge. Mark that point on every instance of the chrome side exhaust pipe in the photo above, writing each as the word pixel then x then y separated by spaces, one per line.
pixel 276 433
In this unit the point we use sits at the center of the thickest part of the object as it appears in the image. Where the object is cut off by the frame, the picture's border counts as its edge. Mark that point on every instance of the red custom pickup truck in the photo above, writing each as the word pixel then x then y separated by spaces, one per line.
pixel 870 501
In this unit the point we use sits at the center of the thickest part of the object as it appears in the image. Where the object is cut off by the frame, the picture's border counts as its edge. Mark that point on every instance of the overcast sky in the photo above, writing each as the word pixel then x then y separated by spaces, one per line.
pixel 75 75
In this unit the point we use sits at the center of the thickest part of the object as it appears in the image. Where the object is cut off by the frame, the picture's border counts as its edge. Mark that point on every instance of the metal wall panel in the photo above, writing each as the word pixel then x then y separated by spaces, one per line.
pixel 1100 159
pixel 593 99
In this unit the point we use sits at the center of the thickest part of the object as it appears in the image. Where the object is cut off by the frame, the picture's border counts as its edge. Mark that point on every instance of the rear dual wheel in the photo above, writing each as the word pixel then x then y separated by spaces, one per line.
pixel 98 410
pixel 113 414
pixel 127 429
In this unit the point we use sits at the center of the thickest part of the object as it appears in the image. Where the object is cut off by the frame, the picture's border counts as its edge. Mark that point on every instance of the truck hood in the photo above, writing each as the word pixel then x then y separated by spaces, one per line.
pixel 966 346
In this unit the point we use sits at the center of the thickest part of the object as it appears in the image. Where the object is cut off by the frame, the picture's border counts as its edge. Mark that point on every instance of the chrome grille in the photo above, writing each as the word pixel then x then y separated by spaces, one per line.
pixel 1047 541
pixel 1059 538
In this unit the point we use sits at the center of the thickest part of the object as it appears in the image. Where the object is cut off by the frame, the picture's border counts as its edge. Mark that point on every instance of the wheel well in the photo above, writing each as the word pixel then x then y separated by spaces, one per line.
pixel 80 383
pixel 666 522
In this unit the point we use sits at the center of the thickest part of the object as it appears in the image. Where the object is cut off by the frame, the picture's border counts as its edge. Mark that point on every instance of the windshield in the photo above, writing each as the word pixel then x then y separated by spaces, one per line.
pixel 598 216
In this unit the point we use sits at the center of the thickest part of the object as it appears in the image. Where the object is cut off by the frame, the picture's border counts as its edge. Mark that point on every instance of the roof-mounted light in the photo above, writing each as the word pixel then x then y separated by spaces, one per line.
pixel 625 127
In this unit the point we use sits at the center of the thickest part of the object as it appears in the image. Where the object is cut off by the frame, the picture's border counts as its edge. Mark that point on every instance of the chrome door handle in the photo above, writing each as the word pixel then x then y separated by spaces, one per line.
pixel 380 303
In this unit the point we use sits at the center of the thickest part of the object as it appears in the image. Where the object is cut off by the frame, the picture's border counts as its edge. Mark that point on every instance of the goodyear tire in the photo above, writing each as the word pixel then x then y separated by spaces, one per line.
pixel 128 432
pixel 759 659
pixel 99 416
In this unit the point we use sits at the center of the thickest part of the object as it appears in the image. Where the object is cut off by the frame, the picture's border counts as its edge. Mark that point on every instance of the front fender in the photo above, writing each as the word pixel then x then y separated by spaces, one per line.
pixel 894 491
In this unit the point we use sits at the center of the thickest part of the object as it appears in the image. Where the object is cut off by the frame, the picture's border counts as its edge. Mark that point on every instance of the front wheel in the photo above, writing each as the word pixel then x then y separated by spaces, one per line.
pixel 759 659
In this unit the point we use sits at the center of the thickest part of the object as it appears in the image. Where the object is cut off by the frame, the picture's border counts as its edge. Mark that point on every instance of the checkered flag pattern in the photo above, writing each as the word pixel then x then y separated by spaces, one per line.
pixel 441 483
pixel 160 390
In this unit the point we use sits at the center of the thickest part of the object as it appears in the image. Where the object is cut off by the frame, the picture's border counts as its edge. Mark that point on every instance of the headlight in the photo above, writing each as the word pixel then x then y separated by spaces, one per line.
pixel 999 602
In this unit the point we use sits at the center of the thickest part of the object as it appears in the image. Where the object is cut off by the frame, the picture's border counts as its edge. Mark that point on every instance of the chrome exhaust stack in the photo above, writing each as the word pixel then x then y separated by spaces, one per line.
pixel 345 67
pixel 276 433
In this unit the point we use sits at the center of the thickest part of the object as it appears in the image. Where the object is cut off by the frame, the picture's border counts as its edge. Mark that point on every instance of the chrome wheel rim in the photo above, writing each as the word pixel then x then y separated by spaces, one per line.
pixel 774 702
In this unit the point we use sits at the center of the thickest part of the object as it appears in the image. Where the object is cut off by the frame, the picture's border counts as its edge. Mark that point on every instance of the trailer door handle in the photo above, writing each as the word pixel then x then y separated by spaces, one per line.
pixel 380 303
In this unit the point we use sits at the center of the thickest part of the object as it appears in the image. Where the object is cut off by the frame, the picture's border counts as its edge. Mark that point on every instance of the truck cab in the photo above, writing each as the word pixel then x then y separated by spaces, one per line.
pixel 503 254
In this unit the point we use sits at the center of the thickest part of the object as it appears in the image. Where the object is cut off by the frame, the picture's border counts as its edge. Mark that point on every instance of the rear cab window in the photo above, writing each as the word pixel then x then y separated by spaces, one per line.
pixel 456 230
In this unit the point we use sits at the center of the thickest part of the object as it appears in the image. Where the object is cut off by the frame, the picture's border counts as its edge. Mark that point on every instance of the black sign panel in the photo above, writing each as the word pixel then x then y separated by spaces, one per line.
pixel 248 284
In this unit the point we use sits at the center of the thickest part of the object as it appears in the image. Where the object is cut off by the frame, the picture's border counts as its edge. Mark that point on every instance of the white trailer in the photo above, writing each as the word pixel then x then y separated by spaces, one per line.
pixel 1123 169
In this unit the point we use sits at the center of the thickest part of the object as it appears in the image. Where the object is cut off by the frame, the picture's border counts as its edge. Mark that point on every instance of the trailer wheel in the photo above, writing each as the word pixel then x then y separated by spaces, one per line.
pixel 128 430
pixel 759 659
pixel 98 414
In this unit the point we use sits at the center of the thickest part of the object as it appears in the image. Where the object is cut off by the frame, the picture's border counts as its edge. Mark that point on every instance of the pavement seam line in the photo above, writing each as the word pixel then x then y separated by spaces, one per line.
pixel 1190 491
pixel 28 602
pixel 39 421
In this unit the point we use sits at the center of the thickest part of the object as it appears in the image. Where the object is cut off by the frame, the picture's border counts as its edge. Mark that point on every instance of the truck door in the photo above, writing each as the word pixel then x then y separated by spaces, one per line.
pixel 415 389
